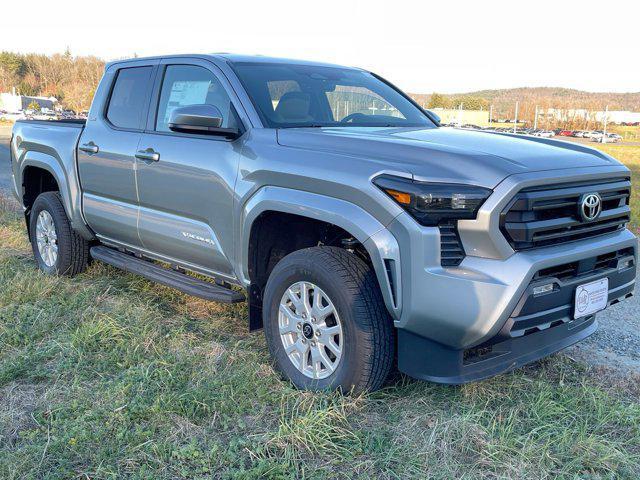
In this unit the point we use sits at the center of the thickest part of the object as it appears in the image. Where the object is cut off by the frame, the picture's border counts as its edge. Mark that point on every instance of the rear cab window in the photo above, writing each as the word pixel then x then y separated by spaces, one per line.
pixel 129 96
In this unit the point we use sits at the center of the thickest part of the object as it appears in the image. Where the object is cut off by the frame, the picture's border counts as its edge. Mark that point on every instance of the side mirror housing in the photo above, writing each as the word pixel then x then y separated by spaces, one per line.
pixel 434 115
pixel 200 119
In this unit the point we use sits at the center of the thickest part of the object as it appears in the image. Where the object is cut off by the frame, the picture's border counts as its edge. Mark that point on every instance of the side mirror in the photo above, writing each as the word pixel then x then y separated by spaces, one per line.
pixel 201 119
pixel 434 115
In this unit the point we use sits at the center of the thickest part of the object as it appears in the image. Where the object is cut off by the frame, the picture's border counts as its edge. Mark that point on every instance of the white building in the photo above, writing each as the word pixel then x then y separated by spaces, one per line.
pixel 13 103
pixel 612 116
pixel 619 116
pixel 462 117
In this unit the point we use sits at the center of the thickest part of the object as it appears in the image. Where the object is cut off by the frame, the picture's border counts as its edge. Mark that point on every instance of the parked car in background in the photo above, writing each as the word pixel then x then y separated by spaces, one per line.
pixel 592 134
pixel 543 133
pixel 565 133
pixel 606 138
pixel 12 117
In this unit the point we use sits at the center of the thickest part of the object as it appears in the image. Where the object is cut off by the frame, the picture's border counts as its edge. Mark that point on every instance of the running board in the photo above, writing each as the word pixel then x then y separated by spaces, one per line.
pixel 171 278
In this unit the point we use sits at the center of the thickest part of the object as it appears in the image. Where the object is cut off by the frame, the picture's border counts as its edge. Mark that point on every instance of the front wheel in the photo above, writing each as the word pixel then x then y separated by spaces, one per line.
pixel 325 321
pixel 58 249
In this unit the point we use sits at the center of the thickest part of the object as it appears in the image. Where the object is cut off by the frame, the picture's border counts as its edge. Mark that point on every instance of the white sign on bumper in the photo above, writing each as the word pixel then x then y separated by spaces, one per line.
pixel 591 297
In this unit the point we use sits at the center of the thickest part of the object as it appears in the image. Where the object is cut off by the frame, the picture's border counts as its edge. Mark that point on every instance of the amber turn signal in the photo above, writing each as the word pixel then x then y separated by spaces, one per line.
pixel 400 197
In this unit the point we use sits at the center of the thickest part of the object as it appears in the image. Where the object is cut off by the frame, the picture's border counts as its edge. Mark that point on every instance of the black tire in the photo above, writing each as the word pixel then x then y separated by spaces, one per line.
pixel 369 335
pixel 73 250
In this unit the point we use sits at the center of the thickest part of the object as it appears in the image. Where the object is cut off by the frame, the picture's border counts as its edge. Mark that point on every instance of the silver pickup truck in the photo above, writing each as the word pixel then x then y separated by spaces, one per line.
pixel 363 235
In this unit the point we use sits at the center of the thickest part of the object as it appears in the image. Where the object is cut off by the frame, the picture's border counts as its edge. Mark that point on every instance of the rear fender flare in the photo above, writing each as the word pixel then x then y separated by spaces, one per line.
pixel 51 165
pixel 71 200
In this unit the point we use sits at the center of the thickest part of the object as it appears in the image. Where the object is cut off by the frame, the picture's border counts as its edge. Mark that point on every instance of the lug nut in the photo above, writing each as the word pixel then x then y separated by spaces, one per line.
pixel 313 344
pixel 304 315
pixel 313 320
pixel 318 333
pixel 299 326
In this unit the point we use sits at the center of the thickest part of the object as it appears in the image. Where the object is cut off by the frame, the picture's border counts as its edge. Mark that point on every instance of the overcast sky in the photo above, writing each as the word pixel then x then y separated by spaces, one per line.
pixel 444 46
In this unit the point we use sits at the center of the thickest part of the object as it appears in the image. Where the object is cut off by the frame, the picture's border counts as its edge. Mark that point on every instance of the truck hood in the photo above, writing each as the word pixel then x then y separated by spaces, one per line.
pixel 447 154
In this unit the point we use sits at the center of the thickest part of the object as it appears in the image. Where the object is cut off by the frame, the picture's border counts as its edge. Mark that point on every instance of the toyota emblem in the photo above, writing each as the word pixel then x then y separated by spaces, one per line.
pixel 590 207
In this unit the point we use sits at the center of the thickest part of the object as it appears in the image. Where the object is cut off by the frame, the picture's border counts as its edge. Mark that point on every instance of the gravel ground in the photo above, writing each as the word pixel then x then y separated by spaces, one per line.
pixel 616 343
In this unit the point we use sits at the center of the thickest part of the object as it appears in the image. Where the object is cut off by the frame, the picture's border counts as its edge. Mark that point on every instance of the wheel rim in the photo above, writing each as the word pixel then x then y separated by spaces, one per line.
pixel 46 238
pixel 310 330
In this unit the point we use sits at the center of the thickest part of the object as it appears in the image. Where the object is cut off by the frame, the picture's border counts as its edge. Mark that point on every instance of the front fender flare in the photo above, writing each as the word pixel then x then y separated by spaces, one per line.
pixel 381 245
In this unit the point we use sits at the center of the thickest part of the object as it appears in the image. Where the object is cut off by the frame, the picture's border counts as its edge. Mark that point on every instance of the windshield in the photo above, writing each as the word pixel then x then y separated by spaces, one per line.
pixel 287 95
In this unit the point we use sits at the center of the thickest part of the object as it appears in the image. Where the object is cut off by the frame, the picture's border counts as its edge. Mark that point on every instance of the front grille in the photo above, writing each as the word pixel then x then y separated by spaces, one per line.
pixel 587 266
pixel 549 215
pixel 451 249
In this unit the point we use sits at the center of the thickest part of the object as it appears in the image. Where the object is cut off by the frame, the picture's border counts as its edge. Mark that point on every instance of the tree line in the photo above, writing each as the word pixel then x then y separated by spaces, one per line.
pixel 70 79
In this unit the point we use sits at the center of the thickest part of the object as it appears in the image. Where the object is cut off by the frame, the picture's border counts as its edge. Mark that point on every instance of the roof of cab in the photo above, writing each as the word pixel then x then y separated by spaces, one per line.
pixel 231 58
pixel 235 58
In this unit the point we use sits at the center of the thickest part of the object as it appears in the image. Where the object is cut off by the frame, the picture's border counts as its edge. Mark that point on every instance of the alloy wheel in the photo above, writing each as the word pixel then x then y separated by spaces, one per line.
pixel 310 330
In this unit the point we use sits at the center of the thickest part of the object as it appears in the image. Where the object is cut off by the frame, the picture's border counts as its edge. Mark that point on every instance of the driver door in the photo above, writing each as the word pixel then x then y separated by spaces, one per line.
pixel 186 182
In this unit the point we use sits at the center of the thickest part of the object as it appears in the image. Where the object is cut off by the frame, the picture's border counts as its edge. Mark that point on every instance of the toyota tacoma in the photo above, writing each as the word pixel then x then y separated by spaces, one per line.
pixel 363 235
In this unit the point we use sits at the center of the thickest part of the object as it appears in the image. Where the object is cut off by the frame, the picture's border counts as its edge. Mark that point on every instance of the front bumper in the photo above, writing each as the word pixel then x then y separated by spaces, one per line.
pixel 432 361
pixel 541 324
pixel 450 316
pixel 464 306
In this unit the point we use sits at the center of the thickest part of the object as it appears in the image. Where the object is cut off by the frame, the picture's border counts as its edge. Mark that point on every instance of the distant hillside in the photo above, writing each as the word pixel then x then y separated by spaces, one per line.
pixel 503 100
pixel 564 97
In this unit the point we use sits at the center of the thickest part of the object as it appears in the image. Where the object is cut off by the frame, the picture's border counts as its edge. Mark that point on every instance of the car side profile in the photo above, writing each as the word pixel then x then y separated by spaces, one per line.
pixel 606 138
pixel 363 235
pixel 543 133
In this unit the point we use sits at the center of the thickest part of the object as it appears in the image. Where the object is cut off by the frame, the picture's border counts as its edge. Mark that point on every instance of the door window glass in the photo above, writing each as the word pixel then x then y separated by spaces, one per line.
pixel 128 98
pixel 185 85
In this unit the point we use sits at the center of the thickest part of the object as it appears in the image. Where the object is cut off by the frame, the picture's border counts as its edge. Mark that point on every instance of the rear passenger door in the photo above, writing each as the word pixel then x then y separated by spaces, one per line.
pixel 187 193
pixel 106 151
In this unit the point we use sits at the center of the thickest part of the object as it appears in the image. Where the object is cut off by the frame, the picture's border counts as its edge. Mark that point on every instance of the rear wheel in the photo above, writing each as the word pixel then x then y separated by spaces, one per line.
pixel 325 322
pixel 57 249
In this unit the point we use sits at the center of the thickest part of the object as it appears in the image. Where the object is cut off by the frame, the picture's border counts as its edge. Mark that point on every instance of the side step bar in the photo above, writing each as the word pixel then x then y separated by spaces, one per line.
pixel 171 278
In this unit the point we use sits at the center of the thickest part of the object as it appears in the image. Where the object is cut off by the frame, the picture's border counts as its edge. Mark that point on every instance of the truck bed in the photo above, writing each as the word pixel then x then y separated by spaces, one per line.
pixel 48 145
pixel 72 122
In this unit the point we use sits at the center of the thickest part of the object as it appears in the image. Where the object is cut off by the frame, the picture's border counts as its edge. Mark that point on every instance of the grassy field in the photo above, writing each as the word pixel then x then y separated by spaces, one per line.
pixel 630 156
pixel 628 133
pixel 109 376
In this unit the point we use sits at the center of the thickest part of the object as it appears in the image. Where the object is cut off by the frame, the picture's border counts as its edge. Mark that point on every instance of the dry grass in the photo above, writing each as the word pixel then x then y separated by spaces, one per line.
pixel 109 376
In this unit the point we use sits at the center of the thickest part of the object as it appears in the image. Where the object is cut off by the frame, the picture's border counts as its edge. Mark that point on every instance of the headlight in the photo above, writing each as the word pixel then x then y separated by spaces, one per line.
pixel 431 203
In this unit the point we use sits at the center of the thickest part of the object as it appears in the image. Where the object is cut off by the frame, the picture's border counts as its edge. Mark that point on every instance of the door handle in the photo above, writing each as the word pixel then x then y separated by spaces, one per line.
pixel 89 148
pixel 149 154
